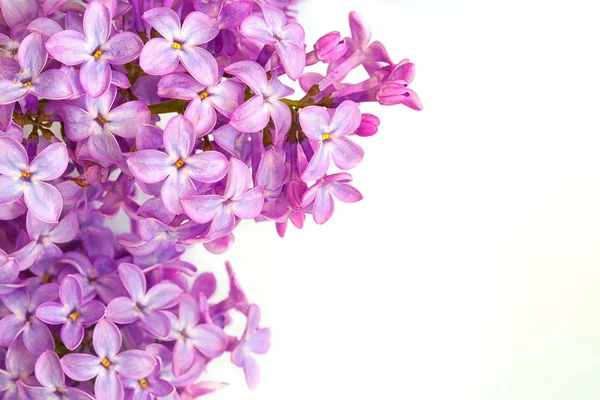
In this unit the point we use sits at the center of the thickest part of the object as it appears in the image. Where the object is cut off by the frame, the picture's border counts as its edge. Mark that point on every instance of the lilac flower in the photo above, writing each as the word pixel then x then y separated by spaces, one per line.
pixel 20 178
pixel 52 378
pixel 178 166
pixel 23 303
pixel 149 387
pixel 394 90
pixel 238 201
pixel 254 114
pixel 19 364
pixel 96 50
pixel 320 195
pixel 255 340
pixel 144 305
pixel 108 366
pixel 330 132
pixel 21 78
pixel 161 56
pixel 43 238
pixel 288 38
pixel 96 126
pixel 205 99
pixel 209 339
pixel 72 313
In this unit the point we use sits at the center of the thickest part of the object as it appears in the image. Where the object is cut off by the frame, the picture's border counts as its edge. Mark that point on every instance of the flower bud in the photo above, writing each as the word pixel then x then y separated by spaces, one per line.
pixel 368 125
pixel 330 47
pixel 392 93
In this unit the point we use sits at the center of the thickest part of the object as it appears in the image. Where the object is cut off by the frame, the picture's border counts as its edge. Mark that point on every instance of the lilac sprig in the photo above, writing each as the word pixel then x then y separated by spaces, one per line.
pixel 179 117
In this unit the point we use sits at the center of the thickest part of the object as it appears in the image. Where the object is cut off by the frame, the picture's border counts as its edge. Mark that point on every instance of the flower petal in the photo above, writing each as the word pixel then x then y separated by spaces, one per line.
pixel 104 147
pixel 223 223
pixel 251 372
pixel 11 189
pixel 44 201
pixel 252 116
pixel 176 187
pixel 108 385
pixel 150 166
pixel 202 115
pixel 209 339
pixel 184 356
pixel 239 179
pixel 164 20
pixel 66 230
pixel 126 119
pixel 200 64
pixel 37 337
pixel 179 137
pixel 48 371
pixel 72 334
pixel 255 27
pixel 345 120
pixel 179 86
pixel 122 48
pixel 251 73
pixel 95 76
pixel 79 124
pixel 19 360
pixel 282 117
pixel 158 57
pixel 17 12
pixel 52 84
pixel 292 57
pixel 11 91
pixel 33 54
pixel 202 209
pixel 345 193
pixel 250 204
pixel 10 327
pixel 52 313
pixel 69 47
pixel 92 312
pixel 71 293
pixel 96 23
pixel 134 364
pixel 107 339
pixel 81 367
pixel 361 32
pixel 226 96
pixel 207 167
pixel 163 295
pixel 50 163
pixel 319 163
pixel 323 207
pixel 122 310
pixel 314 122
pixel 199 28
pixel 346 154
pixel 157 323
pixel 134 280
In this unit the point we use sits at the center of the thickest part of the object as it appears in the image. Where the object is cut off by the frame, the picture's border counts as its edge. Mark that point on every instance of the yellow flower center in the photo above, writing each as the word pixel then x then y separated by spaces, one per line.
pixel 106 363
pixel 27 84
pixel 101 119
pixel 203 95
pixel 97 54
pixel 26 174
pixel 325 136
pixel 177 46
pixel 144 383
pixel 74 316
pixel 179 163
pixel 46 277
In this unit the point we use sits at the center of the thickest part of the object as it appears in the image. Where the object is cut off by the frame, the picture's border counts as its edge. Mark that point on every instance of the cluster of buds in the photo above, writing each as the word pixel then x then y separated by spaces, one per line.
pixel 84 91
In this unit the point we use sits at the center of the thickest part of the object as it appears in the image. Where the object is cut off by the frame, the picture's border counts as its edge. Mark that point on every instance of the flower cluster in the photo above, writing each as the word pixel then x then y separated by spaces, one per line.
pixel 84 91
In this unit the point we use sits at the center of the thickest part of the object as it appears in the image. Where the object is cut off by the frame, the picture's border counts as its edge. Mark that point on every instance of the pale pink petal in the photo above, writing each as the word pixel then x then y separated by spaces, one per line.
pixel 200 64
pixel 179 137
pixel 108 385
pixel 282 117
pixel 226 96
pixel 33 54
pixel 11 91
pixel 198 28
pixel 159 57
pixel 50 163
pixel 202 115
pixel 13 158
pixel 179 86
pixel 345 120
pixel 184 356
pixel 255 27
pixel 95 76
pixel 134 364
pixel 79 124
pixel 164 20
pixel 44 201
pixel 81 367
pixel 122 48
pixel 345 193
pixel 52 84
pixel 239 179
pixel 150 166
pixel 106 339
pixel 126 119
pixel 250 204
pixel 176 187
pixel 104 147
pixel 323 207
pixel 319 164
pixel 207 167
pixel 251 73
pixel 202 209
pixel 69 47
pixel 96 23
pixel 209 339
pixel 292 57
pixel 346 154
pixel 314 122
pixel 134 280
pixel 223 223
pixel 361 32
pixel 252 116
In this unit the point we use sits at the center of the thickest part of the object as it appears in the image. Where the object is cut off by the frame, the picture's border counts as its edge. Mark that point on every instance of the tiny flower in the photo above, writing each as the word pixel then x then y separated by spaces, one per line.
pixel 95 49
pixel 26 76
pixel 254 115
pixel 330 132
pixel 394 90
pixel 109 365
pixel 238 201
pixel 18 367
pixel 20 178
pixel 369 125
pixel 23 303
pixel 320 195
pixel 255 341
pixel 144 305
pixel 149 387
pixel 50 375
pixel 205 99
pixel 288 38
pixel 179 165
pixel 161 56
pixel 209 339
pixel 72 312
pixel 96 126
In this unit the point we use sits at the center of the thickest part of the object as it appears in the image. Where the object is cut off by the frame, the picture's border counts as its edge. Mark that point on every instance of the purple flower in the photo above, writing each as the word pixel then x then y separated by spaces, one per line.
pixel 143 305
pixel 394 90
pixel 52 378
pixel 108 366
pixel 96 50
pixel 22 303
pixel 179 165
pixel 161 56
pixel 254 341
pixel 330 132
pixel 43 238
pixel 96 126
pixel 288 38
pixel 238 200
pixel 205 99
pixel 150 387
pixel 72 312
pixel 320 195
pixel 209 339
pixel 20 178
pixel 254 115
pixel 19 364
pixel 18 79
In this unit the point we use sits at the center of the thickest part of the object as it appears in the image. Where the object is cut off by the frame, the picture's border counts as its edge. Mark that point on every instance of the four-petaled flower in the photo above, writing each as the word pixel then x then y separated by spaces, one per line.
pixel 109 365
pixel 20 178
pixel 254 115
pixel 96 50
pixel 142 305
pixel 238 200
pixel 161 56
pixel 50 375
pixel 179 165
pixel 320 195
pixel 330 132
pixel 73 314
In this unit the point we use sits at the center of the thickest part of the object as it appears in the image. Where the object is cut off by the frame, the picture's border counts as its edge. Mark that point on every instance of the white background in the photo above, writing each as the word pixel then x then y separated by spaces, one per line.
pixel 471 270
